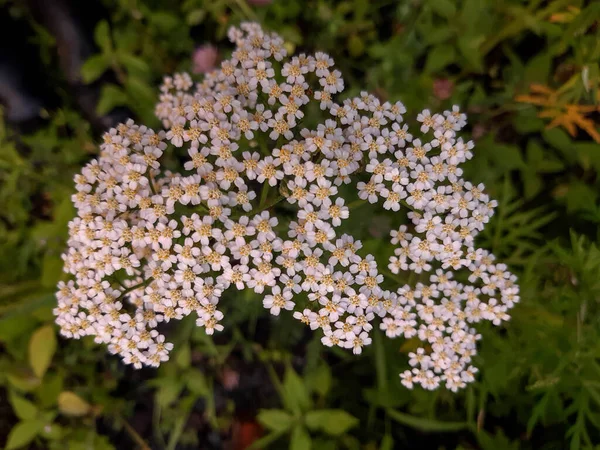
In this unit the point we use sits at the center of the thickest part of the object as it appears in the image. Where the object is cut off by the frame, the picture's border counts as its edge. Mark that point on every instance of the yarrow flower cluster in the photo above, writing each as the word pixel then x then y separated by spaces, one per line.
pixel 150 244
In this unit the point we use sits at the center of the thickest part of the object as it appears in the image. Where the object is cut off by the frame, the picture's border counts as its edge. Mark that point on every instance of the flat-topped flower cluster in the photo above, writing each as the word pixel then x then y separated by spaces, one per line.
pixel 150 245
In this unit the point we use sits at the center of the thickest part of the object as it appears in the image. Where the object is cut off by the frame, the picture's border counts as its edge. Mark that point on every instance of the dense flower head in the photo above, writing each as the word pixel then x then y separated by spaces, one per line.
pixel 150 244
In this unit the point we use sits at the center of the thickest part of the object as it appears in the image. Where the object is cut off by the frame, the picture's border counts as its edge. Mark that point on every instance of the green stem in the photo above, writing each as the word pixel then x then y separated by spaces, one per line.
pixel 156 416
pixel 152 186
pixel 179 427
pixel 260 209
pixel 356 204
pixel 134 435
pixel 264 195
pixel 134 287
pixel 275 379
pixel 407 206
pixel 391 275
pixel 246 10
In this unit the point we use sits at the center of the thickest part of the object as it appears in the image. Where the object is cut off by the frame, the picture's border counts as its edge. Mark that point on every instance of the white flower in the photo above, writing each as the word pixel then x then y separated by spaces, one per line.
pixel 278 300
pixel 358 343
pixel 130 217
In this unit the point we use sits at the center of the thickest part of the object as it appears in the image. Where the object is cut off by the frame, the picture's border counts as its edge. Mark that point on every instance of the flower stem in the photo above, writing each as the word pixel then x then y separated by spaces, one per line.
pixel 134 287
pixel 134 435
pixel 356 204
pixel 264 195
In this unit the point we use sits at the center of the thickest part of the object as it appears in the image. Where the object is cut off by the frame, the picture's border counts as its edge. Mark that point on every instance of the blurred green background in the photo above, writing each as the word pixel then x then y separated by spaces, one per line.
pixel 527 74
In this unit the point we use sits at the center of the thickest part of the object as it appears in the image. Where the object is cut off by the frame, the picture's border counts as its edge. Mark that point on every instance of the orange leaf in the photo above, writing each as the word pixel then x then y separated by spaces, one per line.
pixel 570 116
pixel 548 113
pixel 565 123
pixel 588 126
pixel 532 100
pixel 583 108
pixel 541 89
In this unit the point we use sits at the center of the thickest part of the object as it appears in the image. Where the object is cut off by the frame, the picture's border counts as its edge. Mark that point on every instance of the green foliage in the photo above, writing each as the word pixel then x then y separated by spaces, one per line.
pixel 299 417
pixel 538 386
pixel 275 419
pixel 71 404
pixel 42 346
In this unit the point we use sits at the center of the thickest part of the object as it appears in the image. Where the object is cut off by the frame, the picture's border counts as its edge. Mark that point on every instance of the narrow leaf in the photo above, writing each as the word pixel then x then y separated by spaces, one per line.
pixel 428 425
pixel 102 36
pixel 387 443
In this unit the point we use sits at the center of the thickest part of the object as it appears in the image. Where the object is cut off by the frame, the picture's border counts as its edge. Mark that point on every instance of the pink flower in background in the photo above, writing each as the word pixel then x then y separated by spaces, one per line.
pixel 478 131
pixel 204 58
pixel 260 2
pixel 442 88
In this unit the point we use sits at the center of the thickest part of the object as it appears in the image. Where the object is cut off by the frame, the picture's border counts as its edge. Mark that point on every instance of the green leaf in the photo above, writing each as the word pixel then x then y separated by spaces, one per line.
pixel 47 393
pixel 196 16
pixel 387 443
pixel 111 97
pixel 102 36
pixel 196 382
pixel 296 398
pixel 439 57
pixel 23 408
pixel 52 266
pixel 22 379
pixel 444 8
pixel 439 35
pixel 319 380
pixel 93 67
pixel 142 97
pixel 275 419
pixel 507 157
pixel 537 69
pixel 589 155
pixel 469 49
pixel 12 327
pixel 300 439
pixel 71 404
pixel 560 140
pixel 42 346
pixel 330 421
pixel 165 21
pixel 27 306
pixel 580 197
pixel 183 357
pixel 138 87
pixel 134 64
pixel 265 441
pixel 23 433
pixel 168 391
pixel 427 425
pixel 526 121
pixel 356 45
pixel 386 399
